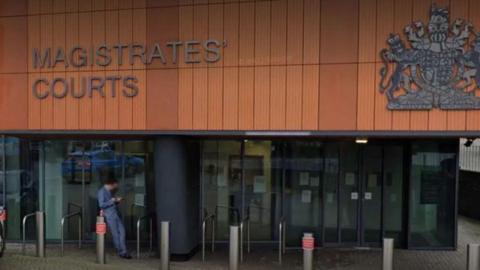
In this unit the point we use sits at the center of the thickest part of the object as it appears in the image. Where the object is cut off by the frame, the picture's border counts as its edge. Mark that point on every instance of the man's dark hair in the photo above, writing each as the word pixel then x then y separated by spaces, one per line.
pixel 110 181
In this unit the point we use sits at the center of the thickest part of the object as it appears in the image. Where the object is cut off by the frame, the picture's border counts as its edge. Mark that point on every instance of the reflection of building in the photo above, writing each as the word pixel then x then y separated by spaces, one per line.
pixel 469 172
pixel 287 125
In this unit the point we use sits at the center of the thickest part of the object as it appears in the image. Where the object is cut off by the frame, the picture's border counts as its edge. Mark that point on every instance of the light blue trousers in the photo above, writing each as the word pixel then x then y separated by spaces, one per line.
pixel 115 225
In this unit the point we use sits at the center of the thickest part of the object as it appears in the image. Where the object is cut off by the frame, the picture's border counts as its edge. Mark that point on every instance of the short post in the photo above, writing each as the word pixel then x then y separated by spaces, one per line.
pixel 203 239
pixel 241 241
pixel 165 245
pixel 280 240
pixel 308 244
pixel 138 239
pixel 40 219
pixel 213 233
pixel 388 245
pixel 234 248
pixel 473 257
pixel 151 235
pixel 101 230
pixel 3 221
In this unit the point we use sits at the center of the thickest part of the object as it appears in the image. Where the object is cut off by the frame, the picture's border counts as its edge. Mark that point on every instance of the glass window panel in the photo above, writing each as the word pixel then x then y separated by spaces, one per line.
pixel 22 181
pixel 349 193
pixel 303 190
pixel 137 156
pixel 16 181
pixel 393 194
pixel 221 173
pixel 330 179
pixel 261 190
pixel 432 194
pixel 62 181
pixel 103 160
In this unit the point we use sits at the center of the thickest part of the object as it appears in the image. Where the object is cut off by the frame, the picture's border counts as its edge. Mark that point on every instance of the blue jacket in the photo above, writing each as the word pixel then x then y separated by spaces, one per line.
pixel 105 202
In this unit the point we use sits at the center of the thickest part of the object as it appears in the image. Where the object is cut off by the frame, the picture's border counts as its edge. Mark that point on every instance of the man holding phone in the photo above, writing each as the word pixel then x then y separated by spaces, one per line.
pixel 108 202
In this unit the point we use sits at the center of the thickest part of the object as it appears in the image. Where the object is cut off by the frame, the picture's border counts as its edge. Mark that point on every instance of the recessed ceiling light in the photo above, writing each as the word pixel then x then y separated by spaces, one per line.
pixel 361 140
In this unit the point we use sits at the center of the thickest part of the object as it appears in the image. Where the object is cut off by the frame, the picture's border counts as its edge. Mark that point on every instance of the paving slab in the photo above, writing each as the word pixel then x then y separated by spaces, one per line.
pixel 258 259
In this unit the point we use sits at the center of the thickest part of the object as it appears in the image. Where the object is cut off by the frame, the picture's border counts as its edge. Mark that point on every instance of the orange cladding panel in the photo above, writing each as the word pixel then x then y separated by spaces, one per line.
pixel 218 65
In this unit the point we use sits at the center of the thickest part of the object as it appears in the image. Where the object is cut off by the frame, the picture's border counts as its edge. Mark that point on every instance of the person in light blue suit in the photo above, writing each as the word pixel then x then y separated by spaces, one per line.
pixel 108 203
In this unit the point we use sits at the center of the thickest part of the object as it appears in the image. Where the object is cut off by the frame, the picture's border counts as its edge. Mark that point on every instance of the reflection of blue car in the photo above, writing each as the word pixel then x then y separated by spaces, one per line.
pixel 99 160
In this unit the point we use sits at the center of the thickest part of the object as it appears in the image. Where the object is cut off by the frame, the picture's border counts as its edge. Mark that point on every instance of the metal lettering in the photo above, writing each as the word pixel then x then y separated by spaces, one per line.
pixel 134 54
pixel 64 91
pixel 113 80
pixel 60 57
pixel 191 52
pixel 82 92
pixel 130 82
pixel 120 47
pixel 157 52
pixel 78 56
pixel 40 60
pixel 97 87
pixel 212 48
pixel 35 88
pixel 103 52
pixel 174 45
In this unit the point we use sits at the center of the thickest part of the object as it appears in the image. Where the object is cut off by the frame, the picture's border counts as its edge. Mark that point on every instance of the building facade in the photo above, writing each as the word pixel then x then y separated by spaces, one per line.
pixel 308 111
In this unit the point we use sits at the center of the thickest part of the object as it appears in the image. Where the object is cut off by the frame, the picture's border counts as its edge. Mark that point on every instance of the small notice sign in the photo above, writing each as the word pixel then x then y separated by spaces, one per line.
pixel 101 228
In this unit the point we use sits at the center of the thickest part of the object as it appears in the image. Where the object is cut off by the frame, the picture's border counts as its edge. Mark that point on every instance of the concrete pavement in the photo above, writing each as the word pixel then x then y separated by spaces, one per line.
pixel 259 259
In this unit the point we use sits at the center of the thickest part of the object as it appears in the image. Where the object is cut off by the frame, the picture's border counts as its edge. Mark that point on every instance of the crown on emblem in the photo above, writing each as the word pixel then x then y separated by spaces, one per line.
pixel 439 12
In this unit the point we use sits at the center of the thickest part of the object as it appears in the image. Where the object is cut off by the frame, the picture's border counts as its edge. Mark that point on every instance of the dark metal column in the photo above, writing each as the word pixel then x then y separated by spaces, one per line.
pixel 177 191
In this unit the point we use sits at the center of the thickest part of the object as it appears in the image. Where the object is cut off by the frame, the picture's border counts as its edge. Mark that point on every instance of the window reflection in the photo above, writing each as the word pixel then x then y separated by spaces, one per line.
pixel 432 195
pixel 63 176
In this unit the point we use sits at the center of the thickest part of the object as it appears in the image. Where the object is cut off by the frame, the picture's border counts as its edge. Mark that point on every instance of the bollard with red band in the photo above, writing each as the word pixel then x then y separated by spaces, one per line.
pixel 3 215
pixel 3 220
pixel 101 230
pixel 308 245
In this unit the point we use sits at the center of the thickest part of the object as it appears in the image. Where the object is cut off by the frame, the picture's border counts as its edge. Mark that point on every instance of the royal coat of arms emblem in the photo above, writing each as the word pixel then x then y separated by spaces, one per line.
pixel 440 67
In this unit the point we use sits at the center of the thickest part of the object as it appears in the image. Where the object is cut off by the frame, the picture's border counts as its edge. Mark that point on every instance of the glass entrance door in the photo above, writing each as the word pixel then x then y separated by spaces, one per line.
pixel 371 196
pixel 346 194
pixel 360 183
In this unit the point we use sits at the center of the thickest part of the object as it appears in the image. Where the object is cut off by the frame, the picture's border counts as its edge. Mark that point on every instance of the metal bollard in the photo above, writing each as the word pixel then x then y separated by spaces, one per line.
pixel 40 219
pixel 473 257
pixel 388 245
pixel 165 245
pixel 308 246
pixel 101 230
pixel 280 240
pixel 3 219
pixel 241 241
pixel 234 248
